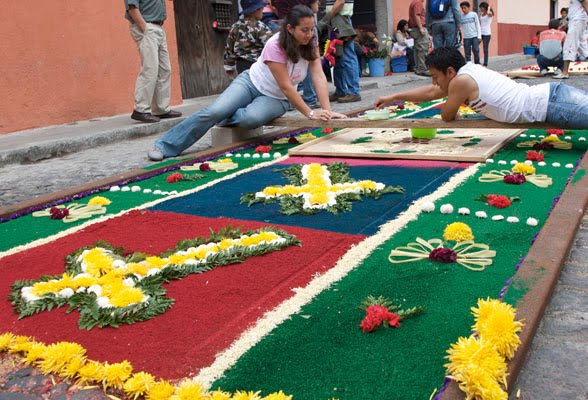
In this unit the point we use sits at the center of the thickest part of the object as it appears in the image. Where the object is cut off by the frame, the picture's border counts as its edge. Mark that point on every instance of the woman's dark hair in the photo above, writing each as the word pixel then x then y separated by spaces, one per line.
pixel 484 5
pixel 401 24
pixel 443 58
pixel 287 42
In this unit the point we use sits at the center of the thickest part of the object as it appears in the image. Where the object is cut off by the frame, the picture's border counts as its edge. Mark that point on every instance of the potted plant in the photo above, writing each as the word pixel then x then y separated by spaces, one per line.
pixel 376 61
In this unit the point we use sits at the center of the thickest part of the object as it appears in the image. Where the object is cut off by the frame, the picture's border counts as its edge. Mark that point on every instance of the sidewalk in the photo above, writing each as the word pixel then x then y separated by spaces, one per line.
pixel 55 141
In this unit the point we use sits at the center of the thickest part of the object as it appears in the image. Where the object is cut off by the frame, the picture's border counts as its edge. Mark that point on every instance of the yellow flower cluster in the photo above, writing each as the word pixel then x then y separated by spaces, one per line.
pixel 478 363
pixel 69 361
pixel 458 232
pixel 551 138
pixel 524 169
pixel 99 201
pixel 105 274
pixel 318 186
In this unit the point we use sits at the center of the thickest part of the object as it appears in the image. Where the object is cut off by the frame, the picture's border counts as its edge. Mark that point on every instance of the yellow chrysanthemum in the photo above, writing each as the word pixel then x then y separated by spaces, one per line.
pixel 219 395
pixel 116 374
pixel 177 259
pixel 477 384
pixel 97 262
pixel 155 262
pixel 471 351
pixel 84 281
pixel 126 296
pixel 92 371
pixel 139 384
pixel 551 138
pixel 58 355
pixel 21 344
pixel 458 232
pixel 226 243
pixel 161 390
pixel 6 340
pixel 277 396
pixel 190 390
pixel 367 185
pixel 73 367
pixel 495 323
pixel 318 198
pixel 99 201
pixel 136 268
pixel 243 395
pixel 271 190
pixel 43 288
pixel 35 353
pixel 524 169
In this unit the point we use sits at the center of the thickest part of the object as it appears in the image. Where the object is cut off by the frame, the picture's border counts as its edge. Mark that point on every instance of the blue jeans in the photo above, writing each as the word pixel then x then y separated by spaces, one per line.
pixel 567 107
pixel 308 93
pixel 545 62
pixel 444 34
pixel 241 103
pixel 469 45
pixel 345 76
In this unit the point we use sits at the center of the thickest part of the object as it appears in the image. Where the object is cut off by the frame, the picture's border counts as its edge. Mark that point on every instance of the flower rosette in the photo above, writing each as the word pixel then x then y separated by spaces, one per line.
pixel 547 143
pixel 519 174
pixel 73 212
pixel 222 165
pixel 469 254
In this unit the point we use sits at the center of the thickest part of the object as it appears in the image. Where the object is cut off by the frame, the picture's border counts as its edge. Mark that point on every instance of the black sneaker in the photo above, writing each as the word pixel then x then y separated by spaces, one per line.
pixel 349 98
pixel 144 117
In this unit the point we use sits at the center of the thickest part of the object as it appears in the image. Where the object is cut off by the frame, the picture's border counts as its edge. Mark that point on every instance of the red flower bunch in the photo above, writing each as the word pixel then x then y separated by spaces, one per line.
pixel 173 178
pixel 327 130
pixel 443 255
pixel 58 213
pixel 535 155
pixel 204 167
pixel 263 149
pixel 557 132
pixel 400 107
pixel 498 201
pixel 514 179
pixel 377 315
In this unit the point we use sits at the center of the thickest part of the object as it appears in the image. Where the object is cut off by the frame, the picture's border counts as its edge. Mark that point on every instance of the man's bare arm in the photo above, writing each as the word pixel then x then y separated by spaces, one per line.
pixel 460 90
pixel 418 95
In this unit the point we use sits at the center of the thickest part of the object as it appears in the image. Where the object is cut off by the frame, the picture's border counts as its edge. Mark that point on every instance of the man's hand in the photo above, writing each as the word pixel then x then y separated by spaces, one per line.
pixel 383 101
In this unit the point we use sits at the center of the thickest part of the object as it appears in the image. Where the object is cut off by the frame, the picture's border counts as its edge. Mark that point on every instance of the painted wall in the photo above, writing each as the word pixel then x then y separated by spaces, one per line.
pixel 518 23
pixel 65 61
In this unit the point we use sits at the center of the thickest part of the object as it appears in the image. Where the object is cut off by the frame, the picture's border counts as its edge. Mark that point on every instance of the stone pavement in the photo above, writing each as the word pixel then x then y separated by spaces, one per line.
pixel 47 160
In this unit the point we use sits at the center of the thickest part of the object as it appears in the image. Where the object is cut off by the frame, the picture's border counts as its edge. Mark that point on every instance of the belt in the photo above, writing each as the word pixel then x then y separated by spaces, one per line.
pixel 155 22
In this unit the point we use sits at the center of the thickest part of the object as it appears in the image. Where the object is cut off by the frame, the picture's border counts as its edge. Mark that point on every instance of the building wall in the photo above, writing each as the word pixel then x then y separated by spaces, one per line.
pixel 66 60
pixel 519 21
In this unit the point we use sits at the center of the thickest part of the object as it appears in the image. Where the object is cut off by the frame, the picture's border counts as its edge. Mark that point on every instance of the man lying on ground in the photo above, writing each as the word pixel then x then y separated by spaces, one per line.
pixel 494 95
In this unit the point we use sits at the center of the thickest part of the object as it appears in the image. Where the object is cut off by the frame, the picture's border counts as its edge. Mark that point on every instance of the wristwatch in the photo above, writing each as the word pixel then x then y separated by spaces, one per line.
pixel 311 114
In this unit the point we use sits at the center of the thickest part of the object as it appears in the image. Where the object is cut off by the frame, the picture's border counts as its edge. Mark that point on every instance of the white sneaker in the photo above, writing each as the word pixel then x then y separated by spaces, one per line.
pixel 561 76
pixel 557 71
pixel 544 72
pixel 155 154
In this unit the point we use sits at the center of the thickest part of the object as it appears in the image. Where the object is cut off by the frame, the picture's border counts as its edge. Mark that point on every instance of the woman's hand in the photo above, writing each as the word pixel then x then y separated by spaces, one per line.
pixel 325 115
pixel 383 101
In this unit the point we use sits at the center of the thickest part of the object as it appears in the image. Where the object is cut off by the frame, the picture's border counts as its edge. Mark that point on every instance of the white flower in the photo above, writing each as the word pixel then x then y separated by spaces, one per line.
pixel 502 162
pixel 190 261
pixel 541 163
pixel 256 155
pixel 119 264
pixel 153 271
pixel 523 135
pixel 103 302
pixel 165 193
pixel 542 136
pixel 532 135
pixel 490 161
pixel 512 220
pixel 81 290
pixel 125 189
pixel 532 222
pixel 568 137
pixel 66 293
pixel 174 192
pixel 128 282
pixel 569 165
pixel 497 218
pixel 96 289
pixel 513 162
pixel 135 188
pixel 446 209
pixel 27 294
pixel 265 155
pixel 82 275
pixel 463 211
pixel 528 162
pixel 147 190
pixel 246 155
pixel 115 188
pixel 238 155
pixel 582 139
pixel 229 155
pixel 277 155
pixel 481 214
pixel 157 191
pixel 556 164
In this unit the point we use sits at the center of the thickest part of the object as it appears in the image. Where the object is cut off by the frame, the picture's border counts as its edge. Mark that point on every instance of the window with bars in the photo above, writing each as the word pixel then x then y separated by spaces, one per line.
pixel 223 17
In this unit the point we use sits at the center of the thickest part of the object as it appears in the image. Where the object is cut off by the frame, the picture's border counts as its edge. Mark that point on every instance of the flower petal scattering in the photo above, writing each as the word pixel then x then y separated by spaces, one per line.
pixel 110 289
pixel 519 174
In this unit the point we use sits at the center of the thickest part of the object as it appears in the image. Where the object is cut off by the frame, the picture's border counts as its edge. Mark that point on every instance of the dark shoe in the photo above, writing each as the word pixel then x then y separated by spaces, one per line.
pixel 144 117
pixel 314 106
pixel 170 114
pixel 334 97
pixel 155 154
pixel 349 98
pixel 426 73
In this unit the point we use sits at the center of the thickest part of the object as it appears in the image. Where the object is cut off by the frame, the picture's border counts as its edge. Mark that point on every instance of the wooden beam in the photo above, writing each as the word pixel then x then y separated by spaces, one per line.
pixel 405 123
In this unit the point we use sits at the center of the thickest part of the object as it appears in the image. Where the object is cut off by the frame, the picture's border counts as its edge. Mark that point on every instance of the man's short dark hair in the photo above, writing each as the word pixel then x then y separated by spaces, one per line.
pixel 563 9
pixel 443 58
pixel 554 23
pixel 464 4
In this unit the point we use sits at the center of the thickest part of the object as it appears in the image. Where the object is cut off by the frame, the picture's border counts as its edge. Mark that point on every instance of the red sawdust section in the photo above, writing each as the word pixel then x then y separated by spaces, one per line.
pixel 210 310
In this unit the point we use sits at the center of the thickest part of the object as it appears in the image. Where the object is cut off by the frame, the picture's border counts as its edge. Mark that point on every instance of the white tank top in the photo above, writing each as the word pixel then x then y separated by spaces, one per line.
pixel 502 99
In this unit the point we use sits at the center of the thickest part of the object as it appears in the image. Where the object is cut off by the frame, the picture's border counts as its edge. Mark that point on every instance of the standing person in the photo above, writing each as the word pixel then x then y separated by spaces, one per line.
pixel 550 48
pixel 246 38
pixel 418 30
pixel 494 95
pixel 577 16
pixel 444 21
pixel 345 72
pixel 472 33
pixel 153 84
pixel 263 92
pixel 486 15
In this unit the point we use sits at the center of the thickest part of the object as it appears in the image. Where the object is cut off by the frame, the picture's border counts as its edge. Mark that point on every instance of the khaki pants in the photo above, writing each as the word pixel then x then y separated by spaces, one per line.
pixel 152 88
pixel 421 49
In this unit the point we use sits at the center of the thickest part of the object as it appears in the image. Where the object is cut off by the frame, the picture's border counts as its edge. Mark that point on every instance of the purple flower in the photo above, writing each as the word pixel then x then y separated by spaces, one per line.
pixel 443 255
pixel 514 179
pixel 543 146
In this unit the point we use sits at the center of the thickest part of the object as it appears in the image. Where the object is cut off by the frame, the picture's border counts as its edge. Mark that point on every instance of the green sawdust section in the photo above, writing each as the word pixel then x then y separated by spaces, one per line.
pixel 321 352
pixel 26 229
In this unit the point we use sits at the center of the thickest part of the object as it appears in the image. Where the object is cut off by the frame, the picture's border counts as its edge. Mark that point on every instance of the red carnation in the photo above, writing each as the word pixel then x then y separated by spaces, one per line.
pixel 443 255
pixel 173 178
pixel 377 315
pixel 514 179
pixel 204 167
pixel 498 201
pixel 263 149
pixel 327 130
pixel 557 132
pixel 58 213
pixel 535 156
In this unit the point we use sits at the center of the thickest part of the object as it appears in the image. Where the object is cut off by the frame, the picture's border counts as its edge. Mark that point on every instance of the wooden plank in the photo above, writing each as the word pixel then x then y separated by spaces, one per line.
pixel 293 122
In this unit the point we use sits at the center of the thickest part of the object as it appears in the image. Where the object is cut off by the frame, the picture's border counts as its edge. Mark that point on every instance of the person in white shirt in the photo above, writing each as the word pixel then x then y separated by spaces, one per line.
pixel 494 95
pixel 472 33
pixel 486 15
pixel 577 19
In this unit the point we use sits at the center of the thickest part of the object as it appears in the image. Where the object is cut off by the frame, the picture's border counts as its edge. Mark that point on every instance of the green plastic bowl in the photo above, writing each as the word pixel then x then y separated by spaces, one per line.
pixel 423 133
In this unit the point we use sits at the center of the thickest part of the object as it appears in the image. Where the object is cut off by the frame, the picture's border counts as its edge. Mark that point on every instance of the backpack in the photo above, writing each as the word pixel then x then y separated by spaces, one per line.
pixel 438 8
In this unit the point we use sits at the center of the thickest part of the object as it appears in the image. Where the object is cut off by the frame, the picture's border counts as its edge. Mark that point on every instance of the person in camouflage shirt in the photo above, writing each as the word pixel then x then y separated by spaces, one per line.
pixel 246 38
